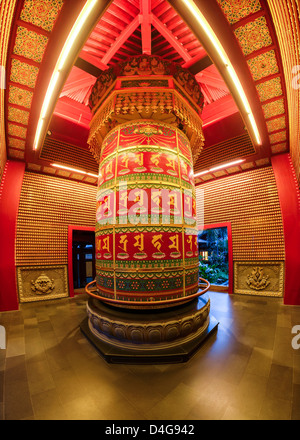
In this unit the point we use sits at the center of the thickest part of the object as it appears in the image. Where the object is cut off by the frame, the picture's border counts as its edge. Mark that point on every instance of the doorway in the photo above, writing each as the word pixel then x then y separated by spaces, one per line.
pixel 82 264
pixel 215 256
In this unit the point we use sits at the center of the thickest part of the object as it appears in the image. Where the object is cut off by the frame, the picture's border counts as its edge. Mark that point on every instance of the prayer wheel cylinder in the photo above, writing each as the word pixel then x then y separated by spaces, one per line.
pixel 146 235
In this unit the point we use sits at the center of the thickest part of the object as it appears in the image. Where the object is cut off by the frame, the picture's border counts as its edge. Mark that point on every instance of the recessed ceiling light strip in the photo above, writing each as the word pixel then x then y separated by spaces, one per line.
pixel 61 62
pixel 74 170
pixel 226 63
pixel 220 167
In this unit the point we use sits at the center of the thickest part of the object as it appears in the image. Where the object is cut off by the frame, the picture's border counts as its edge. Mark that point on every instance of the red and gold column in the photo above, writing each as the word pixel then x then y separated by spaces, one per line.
pixel 146 132
pixel 146 236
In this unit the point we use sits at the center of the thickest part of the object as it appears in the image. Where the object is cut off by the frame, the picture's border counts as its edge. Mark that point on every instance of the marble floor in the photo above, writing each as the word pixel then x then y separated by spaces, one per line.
pixel 248 369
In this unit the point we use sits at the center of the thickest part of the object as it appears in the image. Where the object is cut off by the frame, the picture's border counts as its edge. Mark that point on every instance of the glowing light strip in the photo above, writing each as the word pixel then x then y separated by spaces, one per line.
pixel 70 42
pixel 219 167
pixel 226 62
pixel 74 170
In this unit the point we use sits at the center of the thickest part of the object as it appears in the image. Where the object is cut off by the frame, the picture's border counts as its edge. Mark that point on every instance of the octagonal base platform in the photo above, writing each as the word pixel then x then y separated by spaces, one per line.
pixel 151 337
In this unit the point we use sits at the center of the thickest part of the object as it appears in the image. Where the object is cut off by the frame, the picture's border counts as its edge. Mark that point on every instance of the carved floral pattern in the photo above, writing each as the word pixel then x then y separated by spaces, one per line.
pixel 17 130
pixel 278 137
pixel 279 148
pixel 257 280
pixel 17 115
pixel 41 13
pixel 18 154
pixel 269 89
pixel 263 65
pixel 145 66
pixel 274 108
pixel 260 278
pixel 23 73
pixel 16 143
pixel 254 35
pixel 235 10
pixel 276 124
pixel 30 44
pixel 20 96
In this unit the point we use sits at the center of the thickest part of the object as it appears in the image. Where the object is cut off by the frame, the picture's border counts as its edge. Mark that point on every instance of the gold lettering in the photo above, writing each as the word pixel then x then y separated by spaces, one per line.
pixel 106 244
pixel 173 201
pixel 184 167
pixel 139 197
pixel 123 242
pixel 156 241
pixel 139 159
pixel 190 241
pixel 155 159
pixel 175 243
pixel 188 202
pixel 124 161
pixel 139 242
pixel 123 199
pixel 171 163
pixel 108 168
pixel 155 196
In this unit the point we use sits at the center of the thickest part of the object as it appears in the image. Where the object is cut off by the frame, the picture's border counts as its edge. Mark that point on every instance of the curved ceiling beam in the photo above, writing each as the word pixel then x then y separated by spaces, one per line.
pixel 215 35
pixel 62 54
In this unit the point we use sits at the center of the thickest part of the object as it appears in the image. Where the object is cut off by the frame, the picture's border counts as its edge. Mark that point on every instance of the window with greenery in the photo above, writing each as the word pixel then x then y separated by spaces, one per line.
pixel 213 255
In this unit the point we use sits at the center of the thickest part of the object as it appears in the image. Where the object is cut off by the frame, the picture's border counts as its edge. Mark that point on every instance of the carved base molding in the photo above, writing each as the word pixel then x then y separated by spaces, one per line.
pixel 263 278
pixel 40 283
pixel 166 336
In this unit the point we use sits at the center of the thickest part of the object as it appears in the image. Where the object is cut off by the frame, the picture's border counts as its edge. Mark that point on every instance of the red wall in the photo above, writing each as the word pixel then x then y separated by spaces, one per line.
pixel 289 197
pixel 9 203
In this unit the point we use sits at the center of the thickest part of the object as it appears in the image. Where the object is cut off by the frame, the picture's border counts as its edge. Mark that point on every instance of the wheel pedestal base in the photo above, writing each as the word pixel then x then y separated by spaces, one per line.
pixel 171 335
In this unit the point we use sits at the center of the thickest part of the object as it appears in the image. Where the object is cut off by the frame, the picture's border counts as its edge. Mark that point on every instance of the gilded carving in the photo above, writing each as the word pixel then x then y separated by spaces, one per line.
pixel 257 280
pixel 175 96
pixel 265 278
pixel 136 106
pixel 42 285
pixel 38 283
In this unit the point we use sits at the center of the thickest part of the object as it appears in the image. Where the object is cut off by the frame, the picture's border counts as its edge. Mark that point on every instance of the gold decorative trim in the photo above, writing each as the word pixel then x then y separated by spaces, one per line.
pixel 128 104
pixel 263 278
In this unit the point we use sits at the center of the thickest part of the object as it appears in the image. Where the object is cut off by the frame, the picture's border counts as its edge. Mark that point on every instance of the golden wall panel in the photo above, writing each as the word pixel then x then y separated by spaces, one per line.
pixel 259 278
pixel 250 202
pixel 47 206
pixel 286 18
pixel 40 283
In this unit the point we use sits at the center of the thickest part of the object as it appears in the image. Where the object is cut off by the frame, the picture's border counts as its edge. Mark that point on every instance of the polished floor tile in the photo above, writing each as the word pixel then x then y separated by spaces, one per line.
pixel 247 370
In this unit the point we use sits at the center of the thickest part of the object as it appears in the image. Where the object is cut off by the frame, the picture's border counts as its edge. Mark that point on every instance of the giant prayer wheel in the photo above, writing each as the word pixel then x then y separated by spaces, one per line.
pixel 146 235
pixel 146 133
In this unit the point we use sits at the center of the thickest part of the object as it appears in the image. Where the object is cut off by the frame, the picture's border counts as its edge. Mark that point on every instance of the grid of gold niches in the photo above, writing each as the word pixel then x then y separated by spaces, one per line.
pixel 250 202
pixel 47 206
pixel 71 155
pixel 230 149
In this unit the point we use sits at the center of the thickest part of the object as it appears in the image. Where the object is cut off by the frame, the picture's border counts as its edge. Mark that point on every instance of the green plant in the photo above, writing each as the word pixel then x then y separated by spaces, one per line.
pixel 215 268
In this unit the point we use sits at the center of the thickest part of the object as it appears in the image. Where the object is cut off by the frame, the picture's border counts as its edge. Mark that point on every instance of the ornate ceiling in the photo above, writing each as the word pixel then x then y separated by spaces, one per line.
pixel 33 32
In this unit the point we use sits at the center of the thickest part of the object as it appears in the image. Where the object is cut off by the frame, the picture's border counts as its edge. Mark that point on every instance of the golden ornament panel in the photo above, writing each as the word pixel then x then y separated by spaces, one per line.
pixel 262 278
pixel 41 283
